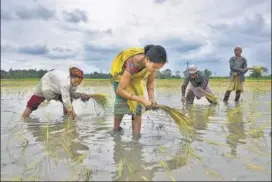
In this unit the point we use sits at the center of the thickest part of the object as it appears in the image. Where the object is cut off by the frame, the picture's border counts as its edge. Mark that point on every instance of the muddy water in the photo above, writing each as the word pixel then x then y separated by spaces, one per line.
pixel 231 141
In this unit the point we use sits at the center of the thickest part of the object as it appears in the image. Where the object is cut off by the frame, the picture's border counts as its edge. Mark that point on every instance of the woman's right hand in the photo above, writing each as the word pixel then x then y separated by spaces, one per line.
pixel 146 102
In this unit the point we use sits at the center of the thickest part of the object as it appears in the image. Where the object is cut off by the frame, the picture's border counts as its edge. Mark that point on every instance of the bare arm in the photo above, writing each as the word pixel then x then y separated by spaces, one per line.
pixel 150 84
pixel 123 84
pixel 74 94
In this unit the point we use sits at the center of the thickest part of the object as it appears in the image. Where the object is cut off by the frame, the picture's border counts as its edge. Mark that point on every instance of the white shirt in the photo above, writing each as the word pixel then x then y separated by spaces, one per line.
pixel 55 83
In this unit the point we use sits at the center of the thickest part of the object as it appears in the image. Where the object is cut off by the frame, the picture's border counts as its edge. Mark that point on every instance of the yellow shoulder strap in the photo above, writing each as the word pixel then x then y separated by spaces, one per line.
pixel 120 59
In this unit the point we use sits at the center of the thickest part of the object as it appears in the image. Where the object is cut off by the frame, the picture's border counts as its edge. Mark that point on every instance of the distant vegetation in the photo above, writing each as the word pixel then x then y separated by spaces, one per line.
pixel 33 73
pixel 165 74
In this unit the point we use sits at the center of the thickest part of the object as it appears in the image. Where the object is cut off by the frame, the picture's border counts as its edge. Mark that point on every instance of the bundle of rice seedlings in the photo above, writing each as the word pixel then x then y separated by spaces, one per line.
pixel 211 97
pixel 182 121
pixel 100 99
pixel 259 69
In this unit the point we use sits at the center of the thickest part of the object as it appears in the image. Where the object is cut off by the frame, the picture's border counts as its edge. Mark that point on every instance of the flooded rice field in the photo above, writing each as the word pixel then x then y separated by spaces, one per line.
pixel 232 141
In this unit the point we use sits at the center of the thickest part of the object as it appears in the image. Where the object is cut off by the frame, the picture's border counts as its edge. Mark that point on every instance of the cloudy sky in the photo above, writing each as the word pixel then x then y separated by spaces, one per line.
pixel 46 34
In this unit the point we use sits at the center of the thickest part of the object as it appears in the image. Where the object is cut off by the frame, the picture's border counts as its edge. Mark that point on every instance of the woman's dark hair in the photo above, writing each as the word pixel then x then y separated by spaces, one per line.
pixel 156 53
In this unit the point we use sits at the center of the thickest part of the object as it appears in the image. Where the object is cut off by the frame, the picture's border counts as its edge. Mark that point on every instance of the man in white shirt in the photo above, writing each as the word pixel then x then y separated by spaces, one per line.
pixel 60 86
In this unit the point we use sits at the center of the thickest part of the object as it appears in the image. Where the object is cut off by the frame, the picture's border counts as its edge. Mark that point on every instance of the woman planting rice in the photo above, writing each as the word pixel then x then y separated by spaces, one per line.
pixel 199 85
pixel 128 69
pixel 238 68
pixel 60 86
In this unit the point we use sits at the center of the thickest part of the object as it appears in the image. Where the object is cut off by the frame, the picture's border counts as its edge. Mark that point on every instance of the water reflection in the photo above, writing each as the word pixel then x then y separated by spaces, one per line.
pixel 129 160
pixel 132 165
pixel 143 160
pixel 59 148
pixel 58 138
pixel 235 125
pixel 200 115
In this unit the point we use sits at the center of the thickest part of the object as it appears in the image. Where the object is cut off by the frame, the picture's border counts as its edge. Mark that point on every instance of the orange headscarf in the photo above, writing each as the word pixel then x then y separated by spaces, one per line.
pixel 76 72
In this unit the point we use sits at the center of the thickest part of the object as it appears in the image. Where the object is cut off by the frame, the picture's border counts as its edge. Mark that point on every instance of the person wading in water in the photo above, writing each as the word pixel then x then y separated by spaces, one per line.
pixel 199 83
pixel 60 86
pixel 129 68
pixel 238 68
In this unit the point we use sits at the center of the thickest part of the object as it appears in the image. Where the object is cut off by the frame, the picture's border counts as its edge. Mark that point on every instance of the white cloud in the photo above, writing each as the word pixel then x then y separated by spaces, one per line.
pixel 215 27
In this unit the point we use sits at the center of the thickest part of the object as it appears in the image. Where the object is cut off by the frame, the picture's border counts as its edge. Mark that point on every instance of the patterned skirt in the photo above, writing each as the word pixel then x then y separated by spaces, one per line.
pixel 121 106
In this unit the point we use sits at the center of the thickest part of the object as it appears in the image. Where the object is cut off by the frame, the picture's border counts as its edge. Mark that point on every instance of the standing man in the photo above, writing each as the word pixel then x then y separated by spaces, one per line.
pixel 238 68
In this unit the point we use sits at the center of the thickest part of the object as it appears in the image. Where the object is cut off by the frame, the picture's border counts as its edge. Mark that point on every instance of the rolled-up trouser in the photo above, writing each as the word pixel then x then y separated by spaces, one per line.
pixel 34 102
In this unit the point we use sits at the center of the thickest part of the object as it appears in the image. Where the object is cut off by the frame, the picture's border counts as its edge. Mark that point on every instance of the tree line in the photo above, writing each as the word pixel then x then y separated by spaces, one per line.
pixel 33 73
pixel 165 74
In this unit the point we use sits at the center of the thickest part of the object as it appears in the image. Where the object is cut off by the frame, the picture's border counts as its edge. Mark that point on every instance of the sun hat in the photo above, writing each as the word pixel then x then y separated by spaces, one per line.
pixel 192 69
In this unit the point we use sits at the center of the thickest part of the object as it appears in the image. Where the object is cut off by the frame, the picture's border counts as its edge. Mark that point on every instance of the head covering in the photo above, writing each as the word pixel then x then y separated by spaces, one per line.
pixel 76 72
pixel 192 69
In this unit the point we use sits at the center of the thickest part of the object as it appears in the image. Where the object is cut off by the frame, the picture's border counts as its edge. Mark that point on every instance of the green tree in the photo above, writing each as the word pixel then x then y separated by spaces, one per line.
pixel 255 74
pixel 167 73
pixel 208 73
pixel 177 74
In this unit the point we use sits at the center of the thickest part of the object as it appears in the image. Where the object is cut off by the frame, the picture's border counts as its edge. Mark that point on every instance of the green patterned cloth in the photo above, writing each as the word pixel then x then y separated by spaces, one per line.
pixel 120 104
